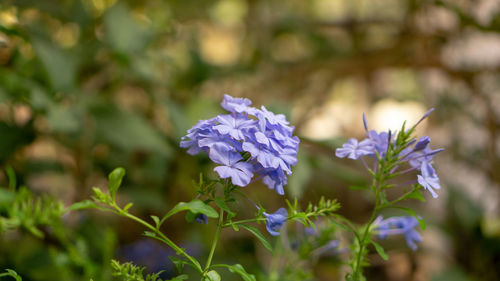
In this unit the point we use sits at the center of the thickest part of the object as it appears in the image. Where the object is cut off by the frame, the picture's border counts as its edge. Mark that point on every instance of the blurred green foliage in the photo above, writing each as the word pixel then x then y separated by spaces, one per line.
pixel 88 85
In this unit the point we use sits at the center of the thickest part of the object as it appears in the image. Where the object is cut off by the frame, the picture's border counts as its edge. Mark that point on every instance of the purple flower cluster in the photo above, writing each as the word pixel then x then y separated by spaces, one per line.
pixel 399 225
pixel 247 142
pixel 417 154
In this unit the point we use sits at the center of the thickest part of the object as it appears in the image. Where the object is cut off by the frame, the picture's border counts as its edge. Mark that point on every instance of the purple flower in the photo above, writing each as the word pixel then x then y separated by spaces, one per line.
pixel 422 143
pixel 235 127
pixel 227 139
pixel 237 105
pixel 429 180
pixel 399 225
pixel 239 172
pixel 275 221
pixel 201 219
pixel 354 149
pixel 416 158
pixel 380 141
pixel 417 154
pixel 274 179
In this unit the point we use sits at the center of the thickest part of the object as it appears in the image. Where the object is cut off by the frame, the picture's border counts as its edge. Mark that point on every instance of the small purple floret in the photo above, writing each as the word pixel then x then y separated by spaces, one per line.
pixel 354 149
pixel 275 221
pixel 399 225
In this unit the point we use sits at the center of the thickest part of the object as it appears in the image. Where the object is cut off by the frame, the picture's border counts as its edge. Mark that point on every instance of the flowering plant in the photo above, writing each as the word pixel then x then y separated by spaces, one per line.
pixel 248 145
pixel 390 152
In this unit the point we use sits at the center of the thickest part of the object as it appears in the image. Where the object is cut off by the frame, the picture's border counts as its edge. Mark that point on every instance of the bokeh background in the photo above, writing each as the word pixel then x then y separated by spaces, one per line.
pixel 89 85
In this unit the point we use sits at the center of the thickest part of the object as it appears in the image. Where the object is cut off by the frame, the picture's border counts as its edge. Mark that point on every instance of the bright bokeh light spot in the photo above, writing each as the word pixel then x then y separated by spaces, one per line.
pixel 229 12
pixel 341 114
pixel 220 46
pixel 8 17
pixel 330 9
pixel 390 114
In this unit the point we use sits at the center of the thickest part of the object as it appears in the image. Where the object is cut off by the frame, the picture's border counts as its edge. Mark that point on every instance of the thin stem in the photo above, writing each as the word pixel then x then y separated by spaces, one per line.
pixel 216 239
pixel 242 222
pixel 376 184
pixel 164 238
pixel 363 238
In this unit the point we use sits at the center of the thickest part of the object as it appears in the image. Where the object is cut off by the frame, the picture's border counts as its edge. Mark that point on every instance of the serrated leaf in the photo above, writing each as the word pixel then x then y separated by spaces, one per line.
pixel 380 250
pixel 115 180
pixel 212 275
pixel 87 204
pixel 238 269
pixel 221 203
pixel 196 206
pixel 259 236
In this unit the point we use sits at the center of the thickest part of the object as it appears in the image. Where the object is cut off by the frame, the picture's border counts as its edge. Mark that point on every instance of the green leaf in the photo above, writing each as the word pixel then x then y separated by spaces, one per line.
pixel 380 250
pixel 101 196
pixel 128 206
pixel 179 278
pixel 178 263
pixel 156 220
pixel 11 273
pixel 212 275
pixel 63 119
pixel 238 269
pixel 259 236
pixel 6 196
pixel 221 203
pixel 11 174
pixel 87 204
pixel 115 180
pixel 128 131
pixel 416 194
pixel 234 226
pixel 59 65
pixel 123 32
pixel 191 217
pixel 196 206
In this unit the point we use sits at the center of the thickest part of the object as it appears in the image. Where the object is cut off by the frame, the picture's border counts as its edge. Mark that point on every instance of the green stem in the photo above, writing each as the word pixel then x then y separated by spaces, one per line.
pixel 377 182
pixel 216 239
pixel 164 238
pixel 242 222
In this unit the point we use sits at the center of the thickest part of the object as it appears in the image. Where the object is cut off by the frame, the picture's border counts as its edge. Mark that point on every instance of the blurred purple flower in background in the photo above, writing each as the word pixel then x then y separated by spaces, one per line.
pixel 399 225
pixel 247 142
